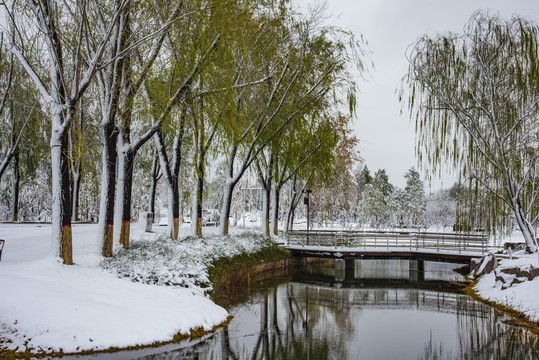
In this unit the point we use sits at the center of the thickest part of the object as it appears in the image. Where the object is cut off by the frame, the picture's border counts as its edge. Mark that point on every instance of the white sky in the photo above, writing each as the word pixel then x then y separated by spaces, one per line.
pixel 390 26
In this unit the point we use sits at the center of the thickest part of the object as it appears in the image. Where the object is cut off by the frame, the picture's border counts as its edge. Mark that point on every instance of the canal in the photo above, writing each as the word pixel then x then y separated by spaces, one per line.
pixel 379 309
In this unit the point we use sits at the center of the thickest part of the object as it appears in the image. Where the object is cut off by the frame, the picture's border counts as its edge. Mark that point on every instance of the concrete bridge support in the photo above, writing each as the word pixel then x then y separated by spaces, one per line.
pixel 340 270
pixel 344 269
pixel 417 270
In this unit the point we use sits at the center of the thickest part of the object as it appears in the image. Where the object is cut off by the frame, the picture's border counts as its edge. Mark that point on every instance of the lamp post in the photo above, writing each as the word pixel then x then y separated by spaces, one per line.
pixel 307 193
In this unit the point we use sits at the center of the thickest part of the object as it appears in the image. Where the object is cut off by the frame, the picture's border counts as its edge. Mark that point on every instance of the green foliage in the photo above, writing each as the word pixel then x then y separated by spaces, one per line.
pixel 364 179
pixel 270 252
pixel 244 264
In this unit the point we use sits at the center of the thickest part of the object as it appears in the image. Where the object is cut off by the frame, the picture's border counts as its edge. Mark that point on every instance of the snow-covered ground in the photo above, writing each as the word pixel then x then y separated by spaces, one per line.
pixel 95 305
pixel 521 297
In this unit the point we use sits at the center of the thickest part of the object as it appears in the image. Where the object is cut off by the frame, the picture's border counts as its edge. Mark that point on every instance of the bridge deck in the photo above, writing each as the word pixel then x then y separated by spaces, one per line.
pixel 382 253
pixel 443 247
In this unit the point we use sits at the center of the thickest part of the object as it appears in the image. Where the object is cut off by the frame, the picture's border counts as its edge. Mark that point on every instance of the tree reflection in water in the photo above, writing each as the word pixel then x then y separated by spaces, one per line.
pixel 313 319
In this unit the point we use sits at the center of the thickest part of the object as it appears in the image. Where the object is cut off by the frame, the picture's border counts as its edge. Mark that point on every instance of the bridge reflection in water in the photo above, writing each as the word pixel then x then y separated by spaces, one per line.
pixel 319 315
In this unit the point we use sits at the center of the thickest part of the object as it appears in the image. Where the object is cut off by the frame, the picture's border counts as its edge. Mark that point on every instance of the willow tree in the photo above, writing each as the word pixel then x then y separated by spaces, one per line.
pixel 309 66
pixel 475 100
pixel 299 152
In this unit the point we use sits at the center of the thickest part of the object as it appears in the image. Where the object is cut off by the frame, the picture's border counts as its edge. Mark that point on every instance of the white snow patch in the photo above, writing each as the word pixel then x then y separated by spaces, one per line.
pixel 48 306
pixel 522 297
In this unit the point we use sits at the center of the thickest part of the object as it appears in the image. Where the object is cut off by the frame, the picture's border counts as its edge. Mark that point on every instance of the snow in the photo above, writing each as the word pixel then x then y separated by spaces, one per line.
pixel 119 302
pixel 522 297
pixel 48 306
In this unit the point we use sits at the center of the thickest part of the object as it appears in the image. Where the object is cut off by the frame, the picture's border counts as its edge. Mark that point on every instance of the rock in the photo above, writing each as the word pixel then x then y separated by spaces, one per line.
pixel 506 275
pixel 487 264
pixel 509 276
pixel 520 247
pixel 474 263
pixel 530 272
pixel 514 246
pixel 510 270
pixel 515 281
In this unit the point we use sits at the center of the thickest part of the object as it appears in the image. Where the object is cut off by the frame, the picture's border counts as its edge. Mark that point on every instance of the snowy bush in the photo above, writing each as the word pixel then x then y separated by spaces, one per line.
pixel 180 263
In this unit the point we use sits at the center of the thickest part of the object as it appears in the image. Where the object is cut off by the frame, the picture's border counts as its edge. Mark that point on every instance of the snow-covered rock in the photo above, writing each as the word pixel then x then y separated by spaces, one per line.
pixel 509 276
pixel 487 265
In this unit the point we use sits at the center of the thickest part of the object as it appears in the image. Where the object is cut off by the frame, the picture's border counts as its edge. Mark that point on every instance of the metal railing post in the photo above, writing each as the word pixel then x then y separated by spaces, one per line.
pixel 443 240
pixel 288 239
pixel 364 240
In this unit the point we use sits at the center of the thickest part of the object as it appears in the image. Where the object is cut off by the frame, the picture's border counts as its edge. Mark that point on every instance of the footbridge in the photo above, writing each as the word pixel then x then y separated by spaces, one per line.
pixel 412 245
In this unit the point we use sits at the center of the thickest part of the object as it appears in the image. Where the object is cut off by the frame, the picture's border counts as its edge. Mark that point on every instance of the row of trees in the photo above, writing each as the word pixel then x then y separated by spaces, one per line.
pixel 169 87
pixel 381 203
pixel 355 197
pixel 360 199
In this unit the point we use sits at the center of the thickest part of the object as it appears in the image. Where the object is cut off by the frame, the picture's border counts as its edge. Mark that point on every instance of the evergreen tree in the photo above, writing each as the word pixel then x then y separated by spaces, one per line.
pixel 364 179
pixel 415 196
pixel 381 181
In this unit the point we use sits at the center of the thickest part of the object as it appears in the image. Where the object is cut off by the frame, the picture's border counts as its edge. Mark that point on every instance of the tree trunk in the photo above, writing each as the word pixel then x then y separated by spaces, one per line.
pixel 15 187
pixel 106 211
pixel 171 180
pixel 266 208
pixel 153 186
pixel 126 158
pixel 225 209
pixel 5 163
pixel 175 194
pixel 199 155
pixel 525 228
pixel 61 199
pixel 520 217
pixel 76 165
pixel 230 184
pixel 276 199
pixel 76 191
pixel 175 205
pixel 291 206
pixel 199 192
pixel 266 181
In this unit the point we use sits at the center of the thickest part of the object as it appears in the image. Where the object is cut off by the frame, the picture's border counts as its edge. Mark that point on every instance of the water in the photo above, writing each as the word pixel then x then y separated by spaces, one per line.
pixel 380 310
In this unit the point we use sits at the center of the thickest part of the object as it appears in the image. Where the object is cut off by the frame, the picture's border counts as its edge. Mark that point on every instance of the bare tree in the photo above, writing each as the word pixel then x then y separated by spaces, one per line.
pixel 73 53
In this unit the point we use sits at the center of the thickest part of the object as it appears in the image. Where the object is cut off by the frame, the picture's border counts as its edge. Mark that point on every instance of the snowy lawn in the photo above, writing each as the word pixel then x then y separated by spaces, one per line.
pixel 95 304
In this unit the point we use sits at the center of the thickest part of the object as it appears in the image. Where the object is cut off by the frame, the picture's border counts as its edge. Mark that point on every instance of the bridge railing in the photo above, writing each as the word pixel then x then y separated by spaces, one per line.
pixel 413 240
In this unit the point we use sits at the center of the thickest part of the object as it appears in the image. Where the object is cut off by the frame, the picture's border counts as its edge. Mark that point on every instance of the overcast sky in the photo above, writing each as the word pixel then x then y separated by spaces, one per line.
pixel 390 26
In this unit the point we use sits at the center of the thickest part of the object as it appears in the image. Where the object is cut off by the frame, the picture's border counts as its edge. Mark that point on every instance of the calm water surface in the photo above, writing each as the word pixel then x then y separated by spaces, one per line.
pixel 379 310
